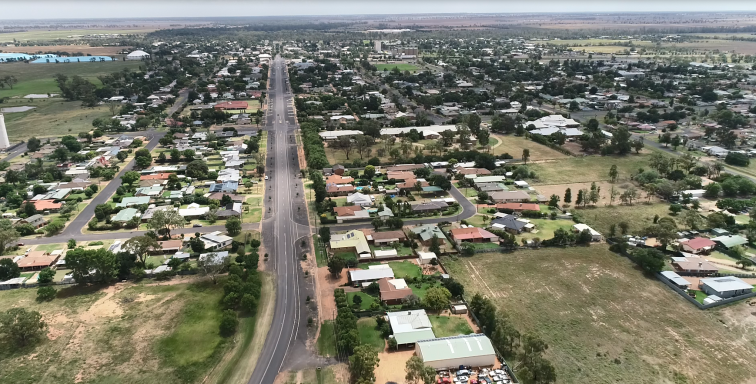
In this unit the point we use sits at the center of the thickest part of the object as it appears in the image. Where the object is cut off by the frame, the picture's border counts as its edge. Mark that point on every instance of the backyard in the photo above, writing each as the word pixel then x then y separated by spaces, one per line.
pixel 604 321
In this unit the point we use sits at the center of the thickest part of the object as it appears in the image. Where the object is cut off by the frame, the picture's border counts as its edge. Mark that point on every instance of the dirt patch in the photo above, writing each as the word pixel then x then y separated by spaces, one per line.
pixel 391 366
pixel 326 284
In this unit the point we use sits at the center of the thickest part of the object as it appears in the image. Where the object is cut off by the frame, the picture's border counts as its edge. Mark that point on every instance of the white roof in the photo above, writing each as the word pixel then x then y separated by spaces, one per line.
pixel 386 253
pixel 398 283
pixel 371 274
pixel 138 53
pixel 580 227
pixel 426 255
pixel 724 284
pixel 431 128
pixel 675 278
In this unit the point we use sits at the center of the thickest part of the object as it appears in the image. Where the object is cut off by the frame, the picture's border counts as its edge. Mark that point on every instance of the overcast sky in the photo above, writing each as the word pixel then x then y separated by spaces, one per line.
pixel 47 9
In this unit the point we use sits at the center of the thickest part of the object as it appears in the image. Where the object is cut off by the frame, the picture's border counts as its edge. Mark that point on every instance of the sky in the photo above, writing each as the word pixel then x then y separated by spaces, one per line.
pixel 84 9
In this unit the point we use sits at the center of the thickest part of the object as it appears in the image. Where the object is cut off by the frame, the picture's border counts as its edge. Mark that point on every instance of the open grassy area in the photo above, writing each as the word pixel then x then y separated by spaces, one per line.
pixel 327 339
pixel 444 326
pixel 52 117
pixel 545 228
pixel 119 334
pixel 401 66
pixel 67 34
pixel 39 78
pixel 515 144
pixel 638 216
pixel 369 334
pixel 366 300
pixel 588 169
pixel 604 321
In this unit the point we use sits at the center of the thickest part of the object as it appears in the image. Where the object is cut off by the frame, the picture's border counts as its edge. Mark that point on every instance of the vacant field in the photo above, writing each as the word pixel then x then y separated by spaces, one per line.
pixel 402 67
pixel 52 117
pixel 605 322
pixel 73 48
pixel 71 34
pixel 39 78
pixel 119 334
pixel 587 169
pixel 514 145
pixel 638 216
pixel 604 186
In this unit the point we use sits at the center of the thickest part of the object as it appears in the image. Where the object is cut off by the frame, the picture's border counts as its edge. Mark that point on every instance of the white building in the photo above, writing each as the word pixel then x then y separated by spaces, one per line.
pixel 725 287
pixel 138 55
pixel 595 236
pixel 473 350
pixel 410 326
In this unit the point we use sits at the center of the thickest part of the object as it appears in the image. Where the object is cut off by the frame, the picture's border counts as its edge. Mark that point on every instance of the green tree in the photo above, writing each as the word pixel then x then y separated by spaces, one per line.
pixel 362 364
pixel 369 172
pixel 21 327
pixel 141 246
pixel 650 260
pixel 197 169
pixel 46 293
pixel 33 144
pixel 613 173
pixel 525 155
pixel 435 245
pixel 8 235
pixel 71 243
pixel 568 196
pixel 437 298
pixel 46 276
pixel 130 177
pixel 164 221
pixel 418 372
pixel 233 226
pixel 9 269
pixel 335 265
pixel 96 265
pixel 229 322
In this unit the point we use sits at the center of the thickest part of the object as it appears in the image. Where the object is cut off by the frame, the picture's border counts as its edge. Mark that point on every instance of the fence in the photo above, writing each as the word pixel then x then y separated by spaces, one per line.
pixel 695 302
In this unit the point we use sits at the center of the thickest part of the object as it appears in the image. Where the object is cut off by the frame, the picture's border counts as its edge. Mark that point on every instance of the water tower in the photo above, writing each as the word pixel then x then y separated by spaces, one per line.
pixel 4 143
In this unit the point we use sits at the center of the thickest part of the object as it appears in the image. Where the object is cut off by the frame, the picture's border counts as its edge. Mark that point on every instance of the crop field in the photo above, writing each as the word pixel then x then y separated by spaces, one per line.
pixel 71 34
pixel 401 66
pixel 120 334
pixel 604 321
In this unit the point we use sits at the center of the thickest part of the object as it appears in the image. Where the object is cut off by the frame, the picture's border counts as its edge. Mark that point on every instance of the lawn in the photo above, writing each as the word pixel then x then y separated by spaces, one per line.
pixel 366 300
pixel 327 339
pixel 402 269
pixel 420 292
pixel 444 326
pixel 545 228
pixel 50 247
pixel 638 216
pixel 400 66
pixel 604 321
pixel 320 252
pixel 157 261
pixel 588 168
pixel 515 144
pixel 253 216
pixel 369 335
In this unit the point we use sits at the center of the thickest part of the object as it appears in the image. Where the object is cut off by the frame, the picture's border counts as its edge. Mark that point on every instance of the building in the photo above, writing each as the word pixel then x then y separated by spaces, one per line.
pixel 386 238
pixel 125 215
pixel 429 207
pixel 4 142
pixel 47 205
pixel 216 240
pixel 219 196
pixel 512 224
pixel 426 257
pixel 36 260
pixel 595 235
pixel 360 199
pixel 214 258
pixel 410 327
pixel 36 221
pixel 730 241
pixel 350 213
pixel 170 246
pixel 473 235
pixel 153 191
pixel 231 209
pixel 697 245
pixel 138 55
pixel 225 187
pixel 393 291
pixel 675 279
pixel 473 350
pixel 517 207
pixel 353 241
pixel 724 287
pixel 510 197
pixel 131 201
pixel 231 105
pixel 373 273
pixel 426 232
pixel 697 266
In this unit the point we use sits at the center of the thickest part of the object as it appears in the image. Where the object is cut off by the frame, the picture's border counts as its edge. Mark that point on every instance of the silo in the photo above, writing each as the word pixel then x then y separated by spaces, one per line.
pixel 4 143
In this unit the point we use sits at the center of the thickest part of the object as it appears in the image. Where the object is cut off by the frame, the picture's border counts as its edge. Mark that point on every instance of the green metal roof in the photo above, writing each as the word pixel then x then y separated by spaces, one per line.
pixel 456 347
pixel 125 214
pixel 414 336
pixel 432 188
pixel 731 241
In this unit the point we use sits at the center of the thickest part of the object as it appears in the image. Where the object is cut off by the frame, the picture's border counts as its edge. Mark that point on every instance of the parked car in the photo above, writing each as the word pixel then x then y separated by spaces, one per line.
pixel 197 225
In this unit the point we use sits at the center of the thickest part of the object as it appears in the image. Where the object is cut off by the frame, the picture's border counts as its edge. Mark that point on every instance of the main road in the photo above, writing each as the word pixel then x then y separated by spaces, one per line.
pixel 284 227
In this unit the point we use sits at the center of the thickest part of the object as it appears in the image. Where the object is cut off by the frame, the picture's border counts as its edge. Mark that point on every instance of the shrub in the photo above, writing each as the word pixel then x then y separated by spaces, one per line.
pixel 228 323
pixel 46 293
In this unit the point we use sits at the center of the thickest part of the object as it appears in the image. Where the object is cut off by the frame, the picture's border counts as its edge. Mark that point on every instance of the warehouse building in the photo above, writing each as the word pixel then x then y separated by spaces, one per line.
pixel 450 352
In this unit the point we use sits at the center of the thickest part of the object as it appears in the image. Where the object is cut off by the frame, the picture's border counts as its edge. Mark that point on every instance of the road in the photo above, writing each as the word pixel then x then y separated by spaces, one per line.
pixel 284 224
pixel 15 152
pixel 180 101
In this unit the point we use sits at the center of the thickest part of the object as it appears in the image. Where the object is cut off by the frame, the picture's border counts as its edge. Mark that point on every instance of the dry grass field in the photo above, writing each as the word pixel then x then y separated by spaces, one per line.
pixel 587 169
pixel 514 145
pixel 605 322
pixel 73 48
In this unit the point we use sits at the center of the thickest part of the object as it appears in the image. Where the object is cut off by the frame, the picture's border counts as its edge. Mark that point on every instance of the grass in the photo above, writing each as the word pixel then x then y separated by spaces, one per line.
pixel 420 291
pixel 545 228
pixel 366 300
pixel 51 247
pixel 52 117
pixel 39 78
pixel 369 335
pixel 402 67
pixel 67 34
pixel 587 169
pixel 320 252
pixel 405 269
pixel 327 339
pixel 515 144
pixel 444 326
pixel 604 321
pixel 253 216
pixel 638 216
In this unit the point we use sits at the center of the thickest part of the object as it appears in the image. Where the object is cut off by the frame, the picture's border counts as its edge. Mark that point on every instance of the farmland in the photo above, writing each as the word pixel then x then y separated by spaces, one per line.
pixel 604 321
pixel 67 34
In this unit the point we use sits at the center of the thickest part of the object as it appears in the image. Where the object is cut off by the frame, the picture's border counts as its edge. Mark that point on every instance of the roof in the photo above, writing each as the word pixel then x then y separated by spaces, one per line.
pixel 426 255
pixel 33 219
pixel 731 240
pixel 126 214
pixel 691 265
pixel 352 239
pixel 471 233
pixel 510 195
pixel 427 231
pixel 129 201
pixel 675 278
pixel 346 211
pixel 509 221
pixel 156 176
pixel 226 186
pixel 232 105
pixel 171 244
pixel 400 175
pixel 43 205
pixel 456 347
pixel 432 188
pixel 700 242
pixel 582 227
pixel 214 257
pixel 724 284
pixel 388 235
pixel 34 261
pixel 371 273
pixel 359 198
pixel 219 196
pixel 410 326
pixel 430 206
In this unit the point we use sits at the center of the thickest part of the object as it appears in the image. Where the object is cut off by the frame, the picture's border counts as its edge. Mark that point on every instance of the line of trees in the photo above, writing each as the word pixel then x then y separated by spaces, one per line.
pixel 313 145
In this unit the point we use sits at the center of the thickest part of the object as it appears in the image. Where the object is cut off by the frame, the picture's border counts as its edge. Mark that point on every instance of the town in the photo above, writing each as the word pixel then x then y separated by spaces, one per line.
pixel 379 202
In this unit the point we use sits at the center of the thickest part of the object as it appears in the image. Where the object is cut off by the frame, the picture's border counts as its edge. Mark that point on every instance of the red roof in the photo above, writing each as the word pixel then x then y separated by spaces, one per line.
pixel 700 242
pixel 471 233
pixel 232 105
pixel 156 176
pixel 519 206
pixel 43 205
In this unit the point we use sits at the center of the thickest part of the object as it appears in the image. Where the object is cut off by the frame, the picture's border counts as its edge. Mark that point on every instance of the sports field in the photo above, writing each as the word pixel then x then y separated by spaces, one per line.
pixel 605 322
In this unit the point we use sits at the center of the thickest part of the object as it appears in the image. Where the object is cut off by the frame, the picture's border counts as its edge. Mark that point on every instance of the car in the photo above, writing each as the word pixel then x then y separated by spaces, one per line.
pixel 266 177
pixel 197 225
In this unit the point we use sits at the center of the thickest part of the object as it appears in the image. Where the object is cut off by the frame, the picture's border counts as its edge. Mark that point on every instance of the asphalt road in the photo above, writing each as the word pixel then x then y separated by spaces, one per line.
pixel 15 152
pixel 284 224
pixel 180 101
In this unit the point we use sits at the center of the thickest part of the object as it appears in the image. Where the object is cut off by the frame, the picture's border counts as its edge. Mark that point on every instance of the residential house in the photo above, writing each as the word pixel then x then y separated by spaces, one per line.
pixel 393 291
pixel 387 237
pixel 364 277
pixel 352 241
pixel 226 186
pixel 219 195
pixel 517 207
pixel 36 260
pixel 47 206
pixel 214 258
pixel 360 199
pixel 412 184
pixel 410 327
pixel 150 211
pixel 696 266
pixel 156 177
pixel 168 246
pixel 724 287
pixel 231 209
pixel 37 221
pixel 216 240
pixel 510 197
pixel 730 241
pixel 512 224
pixel 426 233
pixel 153 191
pixel 125 215
pixel 697 245
pixel 676 279
pixel 595 236
pixel 350 212
pixel 193 211
pixel 473 171
pixel 132 201
pixel 429 207
pixel 400 175
pixel 473 235
pixel 339 189
pixel 339 179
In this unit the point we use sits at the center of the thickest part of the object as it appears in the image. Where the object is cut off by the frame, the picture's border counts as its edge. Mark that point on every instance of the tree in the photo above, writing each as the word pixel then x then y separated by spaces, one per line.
pixel 71 243
pixel 362 364
pixel 21 327
pixel 164 221
pixel 141 246
pixel 212 264
pixel 744 263
pixel 435 245
pixel 437 298
pixel 229 322
pixel 46 276
pixel 484 137
pixel 325 234
pixel 357 300
pixel 613 173
pixel 233 226
pixel 418 372
pixel 369 172
pixel 53 228
pixel 650 260
pixel 197 169
pixel 9 269
pixel 130 177
pixel 554 201
pixel 568 196
pixel 33 144
pixel 525 155
pixel 335 265
pixel 46 293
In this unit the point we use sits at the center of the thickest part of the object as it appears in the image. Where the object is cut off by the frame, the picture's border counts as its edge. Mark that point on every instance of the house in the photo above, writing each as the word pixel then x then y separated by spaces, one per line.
pixel 339 179
pixel 510 197
pixel 473 171
pixel 472 235
pixel 360 199
pixel 410 327
pixel 226 186
pixel 37 221
pixel 473 350
pixel 153 191
pixel 47 205
pixel 214 258
pixel 730 241
pixel 386 238
pixel 36 260
pixel 393 291
pixel 697 245
pixel 595 236
pixel 696 266
pixel 162 176
pixel 170 246
pixel 339 189
pixel 675 279
pixel 426 257
pixel 512 224
pixel 231 209
pixel 724 287
pixel 193 210
pixel 216 240
pixel 219 196
pixel 354 241
pixel 412 184
pixel 400 175
pixel 125 215
pixel 131 201
pixel 430 206
pixel 150 211
pixel 374 273
pixel 426 233
pixel 351 212
pixel 231 105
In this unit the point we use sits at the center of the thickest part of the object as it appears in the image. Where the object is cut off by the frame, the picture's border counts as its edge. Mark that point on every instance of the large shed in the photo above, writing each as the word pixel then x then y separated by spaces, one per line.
pixel 450 352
